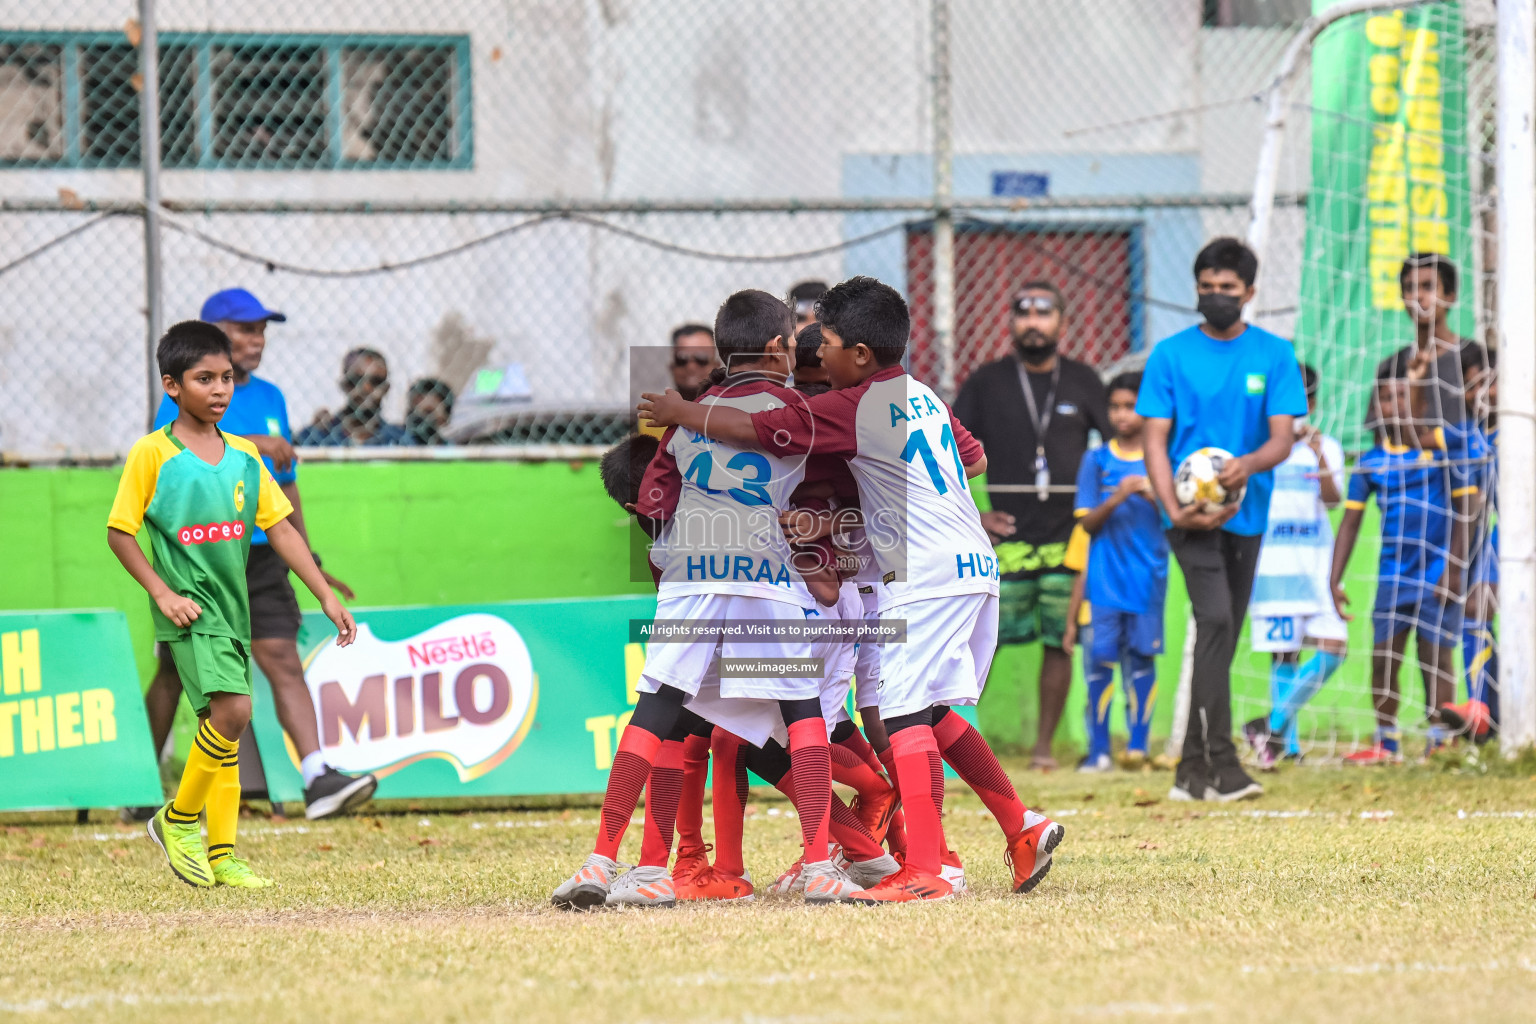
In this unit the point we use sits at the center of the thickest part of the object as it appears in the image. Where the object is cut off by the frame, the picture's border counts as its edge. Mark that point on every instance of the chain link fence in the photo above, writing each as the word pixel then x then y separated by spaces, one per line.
pixel 510 197
pixel 522 198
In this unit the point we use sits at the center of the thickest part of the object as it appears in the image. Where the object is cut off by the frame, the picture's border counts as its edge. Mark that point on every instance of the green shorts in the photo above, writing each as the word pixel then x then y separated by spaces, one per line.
pixel 1034 608
pixel 209 665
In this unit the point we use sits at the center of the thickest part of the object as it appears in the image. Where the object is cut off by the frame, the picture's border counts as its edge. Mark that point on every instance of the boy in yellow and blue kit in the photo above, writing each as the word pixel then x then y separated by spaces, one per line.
pixel 202 493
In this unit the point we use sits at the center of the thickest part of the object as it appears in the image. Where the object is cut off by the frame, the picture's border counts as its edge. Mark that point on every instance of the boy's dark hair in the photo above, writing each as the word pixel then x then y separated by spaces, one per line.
pixel 185 344
pixel 1476 357
pixel 363 352
pixel 807 344
pixel 686 329
pixel 1228 254
pixel 1445 270
pixel 748 321
pixel 807 291
pixel 864 311
pixel 1309 380
pixel 624 465
pixel 814 388
pixel 1128 381
pixel 430 386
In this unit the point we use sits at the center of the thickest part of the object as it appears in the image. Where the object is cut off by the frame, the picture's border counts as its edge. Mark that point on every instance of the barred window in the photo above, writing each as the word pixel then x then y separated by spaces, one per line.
pixel 238 102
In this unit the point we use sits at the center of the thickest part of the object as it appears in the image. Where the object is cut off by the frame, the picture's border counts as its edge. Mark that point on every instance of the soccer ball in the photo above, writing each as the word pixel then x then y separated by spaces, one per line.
pixel 1195 483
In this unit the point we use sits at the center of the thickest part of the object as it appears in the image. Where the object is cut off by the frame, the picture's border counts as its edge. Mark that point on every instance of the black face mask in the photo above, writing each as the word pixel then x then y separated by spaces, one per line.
pixel 1033 346
pixel 1220 311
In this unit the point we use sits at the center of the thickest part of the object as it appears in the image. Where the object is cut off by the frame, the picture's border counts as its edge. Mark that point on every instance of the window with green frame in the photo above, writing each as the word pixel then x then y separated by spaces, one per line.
pixel 71 99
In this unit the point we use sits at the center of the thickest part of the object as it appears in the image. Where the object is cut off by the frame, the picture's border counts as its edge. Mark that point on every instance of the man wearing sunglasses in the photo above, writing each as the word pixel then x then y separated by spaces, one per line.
pixel 693 357
pixel 1033 410
pixel 258 411
pixel 364 383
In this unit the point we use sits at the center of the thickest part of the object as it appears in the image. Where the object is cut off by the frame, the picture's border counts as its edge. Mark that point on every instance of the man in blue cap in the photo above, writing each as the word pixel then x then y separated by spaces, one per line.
pixel 258 412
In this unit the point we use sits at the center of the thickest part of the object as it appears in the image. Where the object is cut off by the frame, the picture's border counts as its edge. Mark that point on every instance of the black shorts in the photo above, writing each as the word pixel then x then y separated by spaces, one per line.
pixel 274 609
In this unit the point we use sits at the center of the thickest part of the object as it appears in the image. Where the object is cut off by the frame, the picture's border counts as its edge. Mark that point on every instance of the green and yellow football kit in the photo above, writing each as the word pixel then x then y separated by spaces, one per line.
pixel 200 518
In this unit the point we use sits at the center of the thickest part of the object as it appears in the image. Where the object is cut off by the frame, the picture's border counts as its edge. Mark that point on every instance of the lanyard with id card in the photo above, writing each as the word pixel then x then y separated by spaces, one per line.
pixel 1041 425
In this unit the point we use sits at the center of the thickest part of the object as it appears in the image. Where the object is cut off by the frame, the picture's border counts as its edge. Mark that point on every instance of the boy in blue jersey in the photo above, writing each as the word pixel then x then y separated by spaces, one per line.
pixel 1223 384
pixel 1478 715
pixel 259 413
pixel 1127 576
pixel 1423 545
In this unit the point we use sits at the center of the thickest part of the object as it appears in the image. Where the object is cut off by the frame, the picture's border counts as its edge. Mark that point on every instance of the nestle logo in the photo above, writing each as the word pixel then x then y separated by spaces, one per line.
pixel 444 650
pixel 211 532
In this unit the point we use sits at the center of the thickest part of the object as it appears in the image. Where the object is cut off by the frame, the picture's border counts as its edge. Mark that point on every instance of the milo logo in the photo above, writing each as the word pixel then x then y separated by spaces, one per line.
pixel 463 691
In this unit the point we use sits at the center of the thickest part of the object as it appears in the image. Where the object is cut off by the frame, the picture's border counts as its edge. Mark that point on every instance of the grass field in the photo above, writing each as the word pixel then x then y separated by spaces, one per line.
pixel 1398 895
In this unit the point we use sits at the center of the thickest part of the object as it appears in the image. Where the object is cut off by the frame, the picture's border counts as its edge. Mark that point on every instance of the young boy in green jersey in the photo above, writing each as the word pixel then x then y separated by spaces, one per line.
pixel 202 492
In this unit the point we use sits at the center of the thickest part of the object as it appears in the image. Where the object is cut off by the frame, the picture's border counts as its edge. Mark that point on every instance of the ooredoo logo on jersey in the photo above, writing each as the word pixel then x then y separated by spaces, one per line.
pixel 463 691
pixel 208 533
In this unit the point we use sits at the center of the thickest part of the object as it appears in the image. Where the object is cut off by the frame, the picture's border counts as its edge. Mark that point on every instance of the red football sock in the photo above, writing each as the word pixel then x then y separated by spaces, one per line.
pixel 730 795
pixel 859 745
pixel 968 754
pixel 850 770
pixel 845 828
pixel 661 795
pixel 896 834
pixel 690 806
pixel 631 768
pixel 811 763
pixel 921 774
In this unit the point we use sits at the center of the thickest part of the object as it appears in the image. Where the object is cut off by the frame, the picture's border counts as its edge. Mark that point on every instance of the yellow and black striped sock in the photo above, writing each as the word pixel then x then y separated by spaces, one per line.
pixel 224 807
pixel 206 758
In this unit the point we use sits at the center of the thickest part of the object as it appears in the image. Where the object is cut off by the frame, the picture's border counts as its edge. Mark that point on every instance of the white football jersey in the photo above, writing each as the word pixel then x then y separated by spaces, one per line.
pixel 1296 558
pixel 723 536
pixel 908 455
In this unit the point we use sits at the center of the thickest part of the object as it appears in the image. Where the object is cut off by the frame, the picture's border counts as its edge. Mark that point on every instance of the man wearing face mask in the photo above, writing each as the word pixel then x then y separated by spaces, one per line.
pixel 1033 410
pixel 1221 384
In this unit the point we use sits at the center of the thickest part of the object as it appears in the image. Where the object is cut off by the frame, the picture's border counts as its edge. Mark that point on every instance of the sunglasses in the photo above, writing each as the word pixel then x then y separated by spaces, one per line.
pixel 1034 303
pixel 372 380
pixel 698 359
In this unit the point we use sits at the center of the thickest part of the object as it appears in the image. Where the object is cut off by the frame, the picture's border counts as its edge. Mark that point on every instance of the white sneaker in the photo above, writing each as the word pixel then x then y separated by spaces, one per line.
pixel 792 880
pixel 870 873
pixel 954 874
pixel 825 882
pixel 587 888
pixel 642 887
pixel 1096 765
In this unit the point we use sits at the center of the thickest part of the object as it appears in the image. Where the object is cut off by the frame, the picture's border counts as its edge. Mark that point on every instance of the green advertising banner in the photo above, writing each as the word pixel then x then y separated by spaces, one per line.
pixel 1389 178
pixel 508 699
pixel 73 732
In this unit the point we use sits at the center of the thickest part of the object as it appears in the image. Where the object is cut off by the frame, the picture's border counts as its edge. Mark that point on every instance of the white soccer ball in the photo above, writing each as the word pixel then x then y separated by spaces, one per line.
pixel 1195 482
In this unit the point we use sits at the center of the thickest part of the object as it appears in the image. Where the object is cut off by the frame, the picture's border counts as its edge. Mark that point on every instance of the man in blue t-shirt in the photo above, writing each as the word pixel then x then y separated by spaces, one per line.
pixel 258 412
pixel 1223 384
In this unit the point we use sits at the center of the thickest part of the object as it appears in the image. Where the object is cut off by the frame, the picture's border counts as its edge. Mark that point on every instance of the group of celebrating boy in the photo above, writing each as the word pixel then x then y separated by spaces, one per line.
pixel 813 537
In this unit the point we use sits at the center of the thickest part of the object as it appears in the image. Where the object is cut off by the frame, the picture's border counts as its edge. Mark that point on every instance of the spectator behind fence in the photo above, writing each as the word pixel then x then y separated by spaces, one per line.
pixel 428 408
pixel 364 382
pixel 1033 410
pixel 693 358
pixel 802 299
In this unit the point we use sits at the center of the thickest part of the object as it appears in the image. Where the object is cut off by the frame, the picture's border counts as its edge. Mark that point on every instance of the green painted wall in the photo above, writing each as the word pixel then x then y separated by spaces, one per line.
pixel 455 533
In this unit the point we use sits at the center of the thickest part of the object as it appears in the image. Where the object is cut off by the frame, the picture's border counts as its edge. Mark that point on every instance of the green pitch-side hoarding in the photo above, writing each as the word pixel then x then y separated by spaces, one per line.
pixel 73 731
pixel 507 699
pixel 1390 177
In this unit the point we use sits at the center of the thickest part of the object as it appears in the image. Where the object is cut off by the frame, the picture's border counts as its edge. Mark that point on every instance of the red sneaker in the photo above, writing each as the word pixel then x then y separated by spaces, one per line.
pixel 689 863
pixel 876 814
pixel 905 886
pixel 709 884
pixel 1029 852
pixel 1470 718
pixel 1374 755
pixel 952 871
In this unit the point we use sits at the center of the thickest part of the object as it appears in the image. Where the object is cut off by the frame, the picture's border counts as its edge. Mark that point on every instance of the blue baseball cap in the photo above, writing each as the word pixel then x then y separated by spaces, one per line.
pixel 237 306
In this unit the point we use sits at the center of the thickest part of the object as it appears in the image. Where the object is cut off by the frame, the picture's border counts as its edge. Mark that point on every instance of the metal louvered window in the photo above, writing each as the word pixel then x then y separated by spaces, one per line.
pixel 239 102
